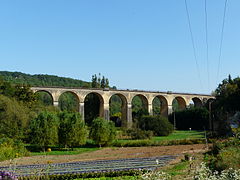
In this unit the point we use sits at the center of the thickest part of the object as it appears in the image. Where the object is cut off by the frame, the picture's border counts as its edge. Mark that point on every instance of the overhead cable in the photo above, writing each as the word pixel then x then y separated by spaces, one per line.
pixel 207 46
pixel 221 39
pixel 193 44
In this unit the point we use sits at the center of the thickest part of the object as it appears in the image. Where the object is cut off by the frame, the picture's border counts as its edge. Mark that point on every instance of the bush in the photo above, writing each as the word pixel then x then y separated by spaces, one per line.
pixel 44 129
pixel 72 130
pixel 195 118
pixel 13 118
pixel 158 124
pixel 225 154
pixel 10 149
pixel 103 132
pixel 139 134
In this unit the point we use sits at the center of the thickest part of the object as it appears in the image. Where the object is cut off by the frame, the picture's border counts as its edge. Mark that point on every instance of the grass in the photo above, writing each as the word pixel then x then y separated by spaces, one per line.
pixel 178 169
pixel 61 152
pixel 178 135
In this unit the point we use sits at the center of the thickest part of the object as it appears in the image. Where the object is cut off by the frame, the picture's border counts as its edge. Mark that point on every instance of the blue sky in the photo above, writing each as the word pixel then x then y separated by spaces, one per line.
pixel 137 44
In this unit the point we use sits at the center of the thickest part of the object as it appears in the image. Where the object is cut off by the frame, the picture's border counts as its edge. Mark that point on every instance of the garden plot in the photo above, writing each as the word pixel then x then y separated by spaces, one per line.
pixel 90 166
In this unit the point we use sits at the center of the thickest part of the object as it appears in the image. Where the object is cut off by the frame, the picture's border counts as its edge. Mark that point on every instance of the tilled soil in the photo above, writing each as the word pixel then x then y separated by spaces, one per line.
pixel 110 154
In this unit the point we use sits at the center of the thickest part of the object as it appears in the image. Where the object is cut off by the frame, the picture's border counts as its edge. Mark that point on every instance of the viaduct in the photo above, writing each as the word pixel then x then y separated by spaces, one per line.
pixel 147 97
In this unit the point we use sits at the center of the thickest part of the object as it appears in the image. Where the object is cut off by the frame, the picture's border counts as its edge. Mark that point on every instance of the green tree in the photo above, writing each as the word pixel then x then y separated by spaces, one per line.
pixel 44 129
pixel 102 131
pixel 14 118
pixel 72 129
pixel 158 124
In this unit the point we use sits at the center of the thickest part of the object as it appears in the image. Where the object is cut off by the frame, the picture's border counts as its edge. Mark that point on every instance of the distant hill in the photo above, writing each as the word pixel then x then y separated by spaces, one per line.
pixel 42 80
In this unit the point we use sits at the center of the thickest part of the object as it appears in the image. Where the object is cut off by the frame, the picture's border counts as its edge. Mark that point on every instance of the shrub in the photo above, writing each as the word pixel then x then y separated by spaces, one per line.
pixel 195 118
pixel 44 129
pixel 72 130
pixel 103 132
pixel 10 149
pixel 139 134
pixel 203 172
pixel 158 124
pixel 13 118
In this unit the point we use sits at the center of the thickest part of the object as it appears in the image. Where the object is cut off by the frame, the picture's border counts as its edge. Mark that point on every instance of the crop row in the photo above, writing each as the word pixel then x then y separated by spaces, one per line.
pixel 89 166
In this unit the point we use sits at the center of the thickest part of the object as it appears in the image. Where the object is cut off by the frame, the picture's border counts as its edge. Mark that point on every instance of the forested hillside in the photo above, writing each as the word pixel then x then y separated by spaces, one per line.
pixel 42 80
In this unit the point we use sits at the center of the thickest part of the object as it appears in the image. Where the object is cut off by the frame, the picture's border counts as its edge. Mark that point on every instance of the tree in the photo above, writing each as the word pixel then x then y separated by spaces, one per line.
pixel 226 104
pixel 44 129
pixel 158 124
pixel 14 118
pixel 72 129
pixel 102 131
pixel 94 81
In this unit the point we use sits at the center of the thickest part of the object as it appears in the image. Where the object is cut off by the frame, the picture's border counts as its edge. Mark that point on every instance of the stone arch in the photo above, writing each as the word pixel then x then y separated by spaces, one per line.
pixel 47 92
pixel 197 102
pixel 181 102
pixel 163 105
pixel 139 104
pixel 93 106
pixel 68 100
pixel 124 108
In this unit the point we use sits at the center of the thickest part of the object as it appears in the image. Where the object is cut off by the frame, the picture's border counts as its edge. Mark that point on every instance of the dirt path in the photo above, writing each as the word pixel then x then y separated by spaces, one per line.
pixel 110 154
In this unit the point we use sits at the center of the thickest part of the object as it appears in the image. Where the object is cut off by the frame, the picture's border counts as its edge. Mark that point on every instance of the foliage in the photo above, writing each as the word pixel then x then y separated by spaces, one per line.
pixel 44 129
pixel 158 124
pixel 139 134
pixel 103 132
pixel 147 142
pixel 86 175
pixel 203 172
pixel 226 104
pixel 69 102
pixel 72 130
pixel 225 154
pixel 41 80
pixel 7 176
pixel 194 118
pixel 99 82
pixel 13 118
pixel 155 175
pixel 10 149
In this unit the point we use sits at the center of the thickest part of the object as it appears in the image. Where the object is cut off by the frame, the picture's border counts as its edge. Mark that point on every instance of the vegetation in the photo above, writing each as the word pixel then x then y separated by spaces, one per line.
pixel 159 125
pixel 41 80
pixel 44 129
pixel 194 118
pixel 72 130
pixel 103 132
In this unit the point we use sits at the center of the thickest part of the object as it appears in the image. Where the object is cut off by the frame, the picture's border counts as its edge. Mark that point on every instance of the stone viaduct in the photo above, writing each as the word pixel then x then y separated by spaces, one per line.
pixel 147 97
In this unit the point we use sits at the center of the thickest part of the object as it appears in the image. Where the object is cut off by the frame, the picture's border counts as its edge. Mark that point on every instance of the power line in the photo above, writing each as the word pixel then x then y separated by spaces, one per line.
pixel 193 44
pixel 221 40
pixel 207 46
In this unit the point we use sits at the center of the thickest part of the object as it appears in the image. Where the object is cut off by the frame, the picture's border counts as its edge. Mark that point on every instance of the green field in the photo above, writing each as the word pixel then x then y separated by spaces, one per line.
pixel 65 152
pixel 178 135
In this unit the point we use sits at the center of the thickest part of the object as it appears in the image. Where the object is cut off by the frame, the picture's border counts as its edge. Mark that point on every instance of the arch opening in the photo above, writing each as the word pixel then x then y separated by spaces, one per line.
pixel 139 108
pixel 69 101
pixel 178 104
pixel 160 106
pixel 44 97
pixel 118 110
pixel 197 102
pixel 93 107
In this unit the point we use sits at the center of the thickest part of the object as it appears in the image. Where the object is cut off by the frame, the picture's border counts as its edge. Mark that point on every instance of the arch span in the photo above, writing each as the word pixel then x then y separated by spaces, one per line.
pixel 162 107
pixel 69 100
pixel 197 102
pixel 119 107
pixel 44 96
pixel 181 103
pixel 93 106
